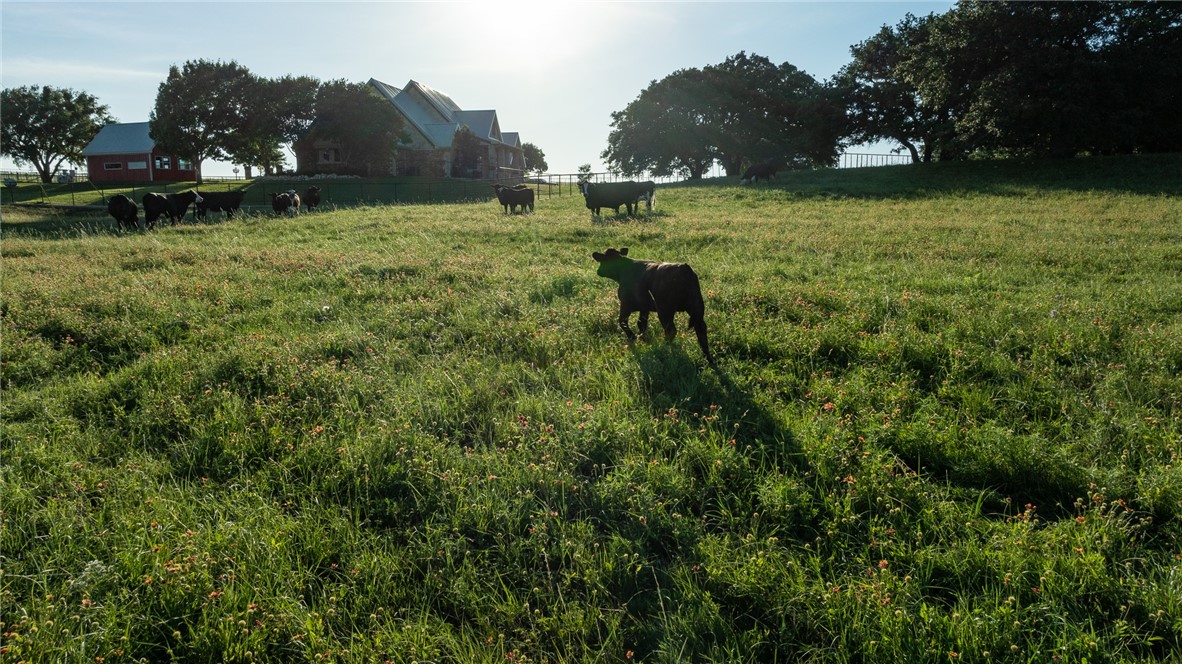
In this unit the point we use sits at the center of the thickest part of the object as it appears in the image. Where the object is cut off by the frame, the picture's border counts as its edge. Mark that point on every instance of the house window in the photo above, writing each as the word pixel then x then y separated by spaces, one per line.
pixel 112 166
pixel 184 165
pixel 137 165
pixel 163 163
pixel 330 156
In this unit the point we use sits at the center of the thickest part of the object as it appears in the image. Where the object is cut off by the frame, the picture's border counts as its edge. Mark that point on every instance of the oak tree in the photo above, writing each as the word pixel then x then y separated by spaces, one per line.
pixel 47 126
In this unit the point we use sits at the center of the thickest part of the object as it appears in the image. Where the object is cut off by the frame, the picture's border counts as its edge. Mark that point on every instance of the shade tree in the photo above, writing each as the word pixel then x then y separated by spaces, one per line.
pixel 47 126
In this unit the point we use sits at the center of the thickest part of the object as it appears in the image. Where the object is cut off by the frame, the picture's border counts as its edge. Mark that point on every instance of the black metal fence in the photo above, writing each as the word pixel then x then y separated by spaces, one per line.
pixel 76 190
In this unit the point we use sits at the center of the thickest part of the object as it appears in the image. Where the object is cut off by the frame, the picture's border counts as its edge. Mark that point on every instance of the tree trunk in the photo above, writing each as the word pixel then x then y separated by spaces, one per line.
pixel 911 148
pixel 44 170
pixel 246 171
pixel 733 166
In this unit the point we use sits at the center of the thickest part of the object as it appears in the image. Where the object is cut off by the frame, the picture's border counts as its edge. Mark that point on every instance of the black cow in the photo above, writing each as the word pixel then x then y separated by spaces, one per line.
pixel 124 210
pixel 614 194
pixel 220 201
pixel 280 202
pixel 665 288
pixel 172 206
pixel 288 201
pixel 511 197
pixel 758 172
pixel 312 198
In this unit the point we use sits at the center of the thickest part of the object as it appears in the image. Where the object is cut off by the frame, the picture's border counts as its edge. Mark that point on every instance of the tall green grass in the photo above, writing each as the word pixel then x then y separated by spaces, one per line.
pixel 945 425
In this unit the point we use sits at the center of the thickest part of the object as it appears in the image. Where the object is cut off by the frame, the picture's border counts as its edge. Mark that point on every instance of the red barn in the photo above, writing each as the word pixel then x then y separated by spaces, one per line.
pixel 126 153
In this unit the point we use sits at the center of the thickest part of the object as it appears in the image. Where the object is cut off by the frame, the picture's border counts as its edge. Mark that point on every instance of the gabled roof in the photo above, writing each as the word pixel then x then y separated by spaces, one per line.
pixel 437 117
pixel 441 101
pixel 482 123
pixel 127 138
pixel 511 138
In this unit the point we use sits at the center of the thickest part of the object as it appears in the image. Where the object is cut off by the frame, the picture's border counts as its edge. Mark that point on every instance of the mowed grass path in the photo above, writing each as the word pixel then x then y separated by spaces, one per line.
pixel 944 426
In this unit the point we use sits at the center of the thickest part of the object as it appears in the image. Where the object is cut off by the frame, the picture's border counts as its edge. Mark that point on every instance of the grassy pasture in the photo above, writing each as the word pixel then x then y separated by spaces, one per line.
pixel 945 425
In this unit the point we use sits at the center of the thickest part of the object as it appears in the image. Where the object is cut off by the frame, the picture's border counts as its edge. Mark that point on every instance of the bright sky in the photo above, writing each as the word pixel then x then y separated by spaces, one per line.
pixel 554 71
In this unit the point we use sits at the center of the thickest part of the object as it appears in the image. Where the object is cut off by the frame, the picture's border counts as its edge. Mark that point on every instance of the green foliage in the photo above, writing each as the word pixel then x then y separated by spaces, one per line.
pixel 280 111
pixel 47 126
pixel 743 110
pixel 535 159
pixel 354 115
pixel 201 108
pixel 944 424
pixel 1018 78
pixel 467 153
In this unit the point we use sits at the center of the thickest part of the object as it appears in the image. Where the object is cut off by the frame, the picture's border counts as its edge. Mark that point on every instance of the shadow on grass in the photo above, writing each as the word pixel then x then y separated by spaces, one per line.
pixel 674 379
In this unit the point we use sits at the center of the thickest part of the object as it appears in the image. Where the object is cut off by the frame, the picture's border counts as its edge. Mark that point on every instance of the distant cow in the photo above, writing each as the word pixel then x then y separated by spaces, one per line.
pixel 614 194
pixel 220 201
pixel 665 288
pixel 172 206
pixel 280 202
pixel 511 197
pixel 758 172
pixel 288 201
pixel 124 210
pixel 312 198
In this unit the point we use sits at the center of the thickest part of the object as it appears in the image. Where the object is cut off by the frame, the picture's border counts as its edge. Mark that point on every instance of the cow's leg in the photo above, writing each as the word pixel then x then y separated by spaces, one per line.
pixel 642 321
pixel 665 315
pixel 625 312
pixel 698 323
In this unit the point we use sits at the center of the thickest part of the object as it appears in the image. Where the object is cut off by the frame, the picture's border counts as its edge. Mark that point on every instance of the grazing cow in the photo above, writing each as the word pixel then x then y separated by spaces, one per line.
pixel 295 201
pixel 758 172
pixel 172 206
pixel 220 201
pixel 614 194
pixel 665 288
pixel 312 198
pixel 511 197
pixel 124 210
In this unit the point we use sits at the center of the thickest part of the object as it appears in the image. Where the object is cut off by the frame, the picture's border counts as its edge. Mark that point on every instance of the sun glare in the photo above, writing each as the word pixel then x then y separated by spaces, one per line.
pixel 530 32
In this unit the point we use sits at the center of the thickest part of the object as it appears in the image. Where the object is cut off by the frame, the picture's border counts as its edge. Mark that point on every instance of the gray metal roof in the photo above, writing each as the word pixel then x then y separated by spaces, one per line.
pixel 482 123
pixel 436 116
pixel 127 138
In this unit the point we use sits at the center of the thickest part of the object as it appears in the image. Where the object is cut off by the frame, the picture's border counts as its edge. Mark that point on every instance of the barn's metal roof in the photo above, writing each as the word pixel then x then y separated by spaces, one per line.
pixel 127 138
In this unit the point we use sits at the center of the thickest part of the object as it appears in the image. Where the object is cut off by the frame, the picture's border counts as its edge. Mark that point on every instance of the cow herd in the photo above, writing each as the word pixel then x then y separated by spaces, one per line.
pixel 173 207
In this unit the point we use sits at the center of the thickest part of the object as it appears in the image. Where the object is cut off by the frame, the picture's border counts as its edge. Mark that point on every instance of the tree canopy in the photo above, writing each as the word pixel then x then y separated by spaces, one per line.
pixel 48 126
pixel 1018 78
pixel 746 109
pixel 203 111
pixel 535 159
pixel 368 127
pixel 278 111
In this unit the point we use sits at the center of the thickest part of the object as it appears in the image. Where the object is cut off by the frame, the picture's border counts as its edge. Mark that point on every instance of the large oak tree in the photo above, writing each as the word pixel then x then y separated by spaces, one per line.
pixel 746 109
pixel 47 126
pixel 366 126
pixel 203 110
